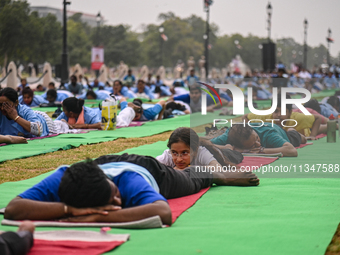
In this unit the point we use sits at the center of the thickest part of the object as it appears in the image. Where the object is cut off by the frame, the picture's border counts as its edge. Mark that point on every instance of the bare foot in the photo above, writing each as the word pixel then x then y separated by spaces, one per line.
pixel 237 179
pixel 17 139
pixel 27 226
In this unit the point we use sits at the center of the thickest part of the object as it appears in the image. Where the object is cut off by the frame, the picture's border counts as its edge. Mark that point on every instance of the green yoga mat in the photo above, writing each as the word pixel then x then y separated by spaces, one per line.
pixel 68 141
pixel 281 216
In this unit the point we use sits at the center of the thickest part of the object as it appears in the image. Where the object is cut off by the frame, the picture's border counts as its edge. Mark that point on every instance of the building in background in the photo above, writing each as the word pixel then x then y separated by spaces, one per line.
pixel 43 11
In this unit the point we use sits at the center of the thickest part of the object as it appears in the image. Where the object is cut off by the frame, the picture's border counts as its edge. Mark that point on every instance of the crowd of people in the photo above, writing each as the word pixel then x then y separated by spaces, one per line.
pixel 123 188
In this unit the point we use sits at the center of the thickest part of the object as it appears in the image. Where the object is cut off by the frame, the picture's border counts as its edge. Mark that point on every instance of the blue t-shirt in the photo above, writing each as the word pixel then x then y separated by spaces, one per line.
pixel 147 91
pixel 271 137
pixel 61 95
pixel 327 110
pixel 91 116
pixel 10 127
pixel 36 101
pixel 148 114
pixel 133 188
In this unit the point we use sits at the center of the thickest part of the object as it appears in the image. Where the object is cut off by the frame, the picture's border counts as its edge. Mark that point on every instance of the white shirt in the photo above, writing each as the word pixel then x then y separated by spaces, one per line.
pixel 203 158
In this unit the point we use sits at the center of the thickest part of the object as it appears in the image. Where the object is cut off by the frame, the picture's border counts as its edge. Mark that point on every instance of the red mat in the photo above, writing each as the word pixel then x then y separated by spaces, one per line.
pixel 71 247
pixel 181 204
pixel 256 162
pixel 67 242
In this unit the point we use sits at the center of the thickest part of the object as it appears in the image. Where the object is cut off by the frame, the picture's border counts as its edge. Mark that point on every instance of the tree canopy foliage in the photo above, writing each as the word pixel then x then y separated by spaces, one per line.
pixel 26 37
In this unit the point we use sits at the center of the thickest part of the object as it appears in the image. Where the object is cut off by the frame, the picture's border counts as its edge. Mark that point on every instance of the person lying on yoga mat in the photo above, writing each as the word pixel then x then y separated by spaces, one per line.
pixel 306 125
pixel 19 120
pixel 28 98
pixel 185 150
pixel 10 139
pixel 79 116
pixel 147 114
pixel 269 138
pixel 88 192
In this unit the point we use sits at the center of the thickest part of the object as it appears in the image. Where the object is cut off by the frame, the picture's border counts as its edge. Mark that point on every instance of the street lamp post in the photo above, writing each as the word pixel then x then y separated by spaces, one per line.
pixel 305 25
pixel 64 55
pixel 269 20
pixel 329 46
pixel 98 19
pixel 206 36
pixel 161 30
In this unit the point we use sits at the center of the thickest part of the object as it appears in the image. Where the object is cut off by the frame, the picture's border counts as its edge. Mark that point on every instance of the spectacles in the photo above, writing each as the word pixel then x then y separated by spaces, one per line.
pixel 184 154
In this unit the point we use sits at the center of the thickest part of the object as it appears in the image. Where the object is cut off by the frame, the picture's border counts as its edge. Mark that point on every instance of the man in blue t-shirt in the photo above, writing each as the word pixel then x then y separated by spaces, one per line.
pixel 268 139
pixel 84 193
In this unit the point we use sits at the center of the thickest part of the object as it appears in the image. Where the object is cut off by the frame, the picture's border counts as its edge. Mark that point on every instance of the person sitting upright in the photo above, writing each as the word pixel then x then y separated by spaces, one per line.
pixel 79 116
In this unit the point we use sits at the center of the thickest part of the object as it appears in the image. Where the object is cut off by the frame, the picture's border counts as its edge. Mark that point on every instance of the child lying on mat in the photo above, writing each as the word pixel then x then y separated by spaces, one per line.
pixel 307 125
pixel 262 139
pixel 83 193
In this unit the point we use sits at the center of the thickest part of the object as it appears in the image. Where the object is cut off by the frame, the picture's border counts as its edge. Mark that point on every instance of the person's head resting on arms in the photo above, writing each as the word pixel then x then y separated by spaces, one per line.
pixel 51 95
pixel 9 97
pixel 72 107
pixel 91 95
pixel 244 137
pixel 139 113
pixel 27 96
pixel 183 146
pixel 85 185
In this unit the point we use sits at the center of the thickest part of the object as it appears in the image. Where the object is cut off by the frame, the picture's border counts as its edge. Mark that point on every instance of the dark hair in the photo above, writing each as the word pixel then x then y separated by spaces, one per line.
pixel 84 184
pixel 194 87
pixel 73 104
pixel 141 81
pixel 119 81
pixel 157 89
pixel 10 93
pixel 39 86
pixel 52 93
pixel 73 76
pixel 137 102
pixel 313 104
pixel 175 106
pixel 91 93
pixel 27 91
pixel 337 93
pixel 238 134
pixel 52 83
pixel 289 107
pixel 185 135
pixel 333 101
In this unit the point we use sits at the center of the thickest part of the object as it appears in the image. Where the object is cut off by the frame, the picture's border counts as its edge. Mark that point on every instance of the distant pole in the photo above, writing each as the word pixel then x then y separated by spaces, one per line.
pixel 161 30
pixel 64 55
pixel 207 9
pixel 98 19
pixel 329 46
pixel 305 24
pixel 269 20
